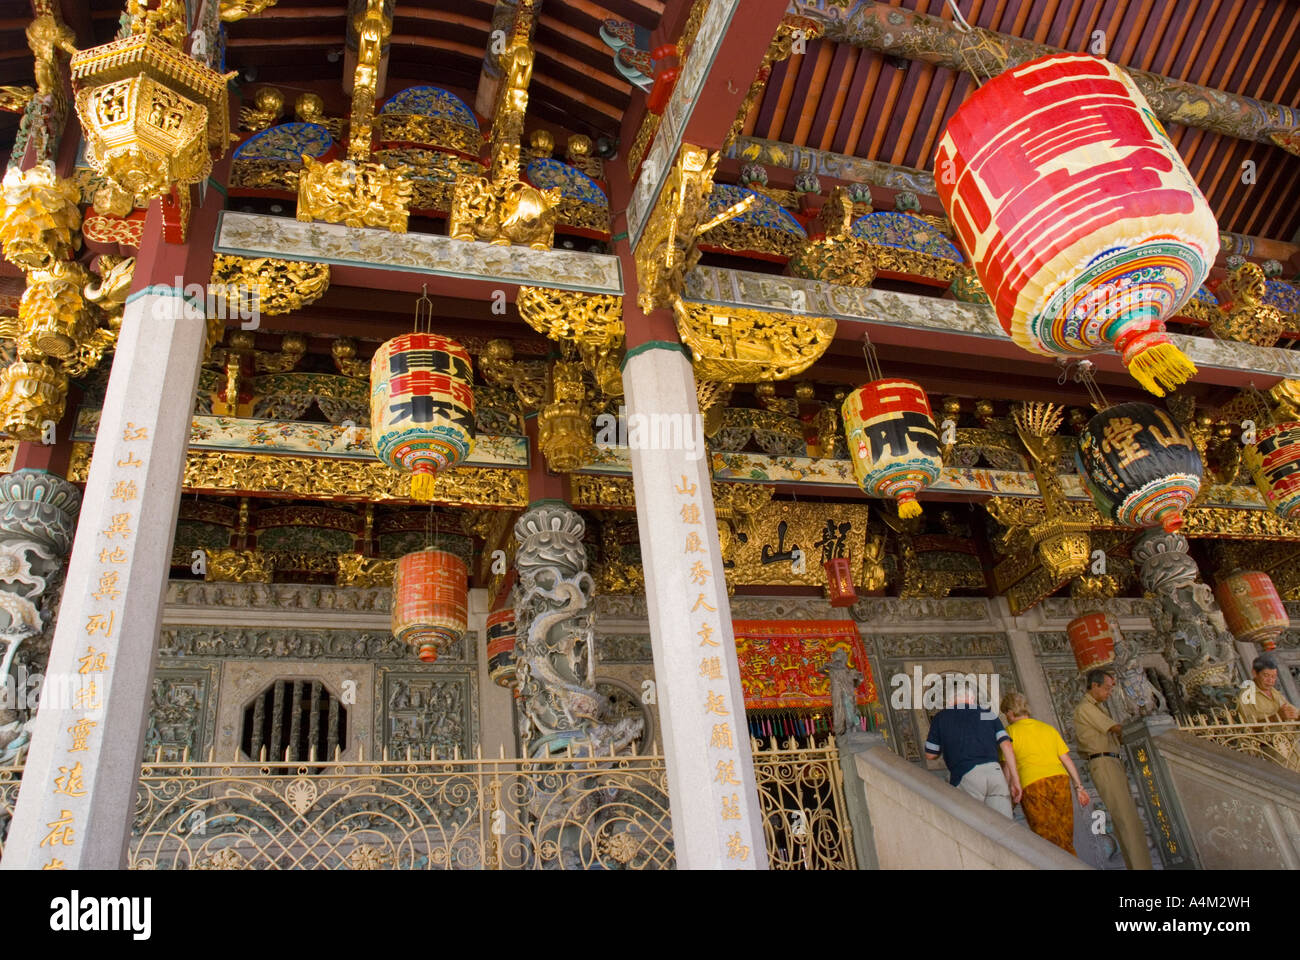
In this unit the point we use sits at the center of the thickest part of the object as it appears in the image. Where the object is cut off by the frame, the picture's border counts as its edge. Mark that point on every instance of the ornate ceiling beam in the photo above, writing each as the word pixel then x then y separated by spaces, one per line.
pixel 850 169
pixel 897 32
pixel 724 55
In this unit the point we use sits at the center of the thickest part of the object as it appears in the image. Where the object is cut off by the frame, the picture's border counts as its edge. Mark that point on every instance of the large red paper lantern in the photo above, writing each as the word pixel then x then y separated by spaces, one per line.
pixel 430 601
pixel 1076 211
pixel 1092 638
pixel 893 442
pixel 1252 608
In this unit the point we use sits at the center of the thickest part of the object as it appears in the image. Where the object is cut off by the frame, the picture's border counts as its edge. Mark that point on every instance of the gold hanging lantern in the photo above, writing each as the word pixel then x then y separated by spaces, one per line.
pixel 153 117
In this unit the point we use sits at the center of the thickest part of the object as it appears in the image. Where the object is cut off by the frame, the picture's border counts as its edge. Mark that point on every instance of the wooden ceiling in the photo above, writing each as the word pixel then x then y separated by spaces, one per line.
pixel 848 100
pixel 834 97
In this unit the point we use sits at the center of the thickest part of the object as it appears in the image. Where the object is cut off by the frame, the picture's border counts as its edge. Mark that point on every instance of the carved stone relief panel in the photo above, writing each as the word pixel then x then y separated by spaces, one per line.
pixel 623 648
pixel 1232 832
pixel 428 712
pixel 180 715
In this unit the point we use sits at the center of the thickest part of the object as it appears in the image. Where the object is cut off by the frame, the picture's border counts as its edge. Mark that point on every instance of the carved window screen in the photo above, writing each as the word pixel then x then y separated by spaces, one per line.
pixel 295 720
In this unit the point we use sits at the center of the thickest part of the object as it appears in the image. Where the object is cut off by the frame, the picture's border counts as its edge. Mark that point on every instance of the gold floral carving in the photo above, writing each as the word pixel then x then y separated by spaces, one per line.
pixel 428 131
pixel 593 492
pixel 15 99
pixel 282 285
pixel 354 570
pixel 31 393
pixel 238 566
pixel 40 219
pixel 564 427
pixel 354 193
pixel 913 263
pixel 53 311
pixel 320 478
pixel 527 378
pixel 1242 313
pixel 740 345
pixel 645 136
pixel 836 256
pixel 593 321
pixel 261 174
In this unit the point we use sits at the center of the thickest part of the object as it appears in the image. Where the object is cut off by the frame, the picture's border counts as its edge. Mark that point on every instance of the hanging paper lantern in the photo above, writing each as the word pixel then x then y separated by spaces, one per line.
pixel 501 646
pixel 892 441
pixel 839 580
pixel 1139 465
pixel 430 597
pixel 1092 638
pixel 1274 461
pixel 1077 213
pixel 421 407
pixel 1252 608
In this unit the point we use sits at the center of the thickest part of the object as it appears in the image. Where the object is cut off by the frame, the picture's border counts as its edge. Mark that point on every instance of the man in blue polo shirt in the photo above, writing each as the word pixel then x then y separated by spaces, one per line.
pixel 969 740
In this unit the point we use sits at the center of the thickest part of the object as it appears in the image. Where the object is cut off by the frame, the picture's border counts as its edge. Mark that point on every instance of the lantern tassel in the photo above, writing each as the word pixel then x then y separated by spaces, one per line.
pixel 422 486
pixel 1161 365
pixel 909 508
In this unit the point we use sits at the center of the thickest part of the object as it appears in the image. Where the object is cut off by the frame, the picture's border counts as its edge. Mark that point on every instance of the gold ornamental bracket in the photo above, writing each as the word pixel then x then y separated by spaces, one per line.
pixel 40 222
pixel 1242 314
pixel 373 31
pixel 594 322
pixel 667 251
pixel 281 286
pixel 741 345
pixel 836 256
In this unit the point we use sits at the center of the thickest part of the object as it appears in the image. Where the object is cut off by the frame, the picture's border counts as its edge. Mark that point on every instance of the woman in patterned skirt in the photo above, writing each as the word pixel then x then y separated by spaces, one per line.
pixel 1046 772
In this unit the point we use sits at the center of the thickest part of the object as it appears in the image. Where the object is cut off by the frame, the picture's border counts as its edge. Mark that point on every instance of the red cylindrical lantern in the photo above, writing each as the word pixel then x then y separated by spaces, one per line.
pixel 1252 608
pixel 430 599
pixel 501 646
pixel 1077 213
pixel 1092 638
pixel 839 579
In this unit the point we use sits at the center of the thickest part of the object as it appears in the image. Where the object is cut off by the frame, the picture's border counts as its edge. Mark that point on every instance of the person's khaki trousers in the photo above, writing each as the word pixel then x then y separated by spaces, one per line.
pixel 1112 783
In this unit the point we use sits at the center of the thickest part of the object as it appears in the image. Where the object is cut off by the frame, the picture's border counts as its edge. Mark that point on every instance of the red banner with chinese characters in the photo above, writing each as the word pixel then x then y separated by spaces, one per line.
pixel 781 662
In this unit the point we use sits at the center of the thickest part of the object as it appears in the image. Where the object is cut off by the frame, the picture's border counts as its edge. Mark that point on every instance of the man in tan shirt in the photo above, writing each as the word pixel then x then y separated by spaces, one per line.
pixel 1098 737
pixel 1262 700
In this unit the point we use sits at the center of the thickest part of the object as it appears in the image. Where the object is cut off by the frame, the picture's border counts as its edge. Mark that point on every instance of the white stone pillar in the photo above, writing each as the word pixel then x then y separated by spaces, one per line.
pixel 77 799
pixel 717 823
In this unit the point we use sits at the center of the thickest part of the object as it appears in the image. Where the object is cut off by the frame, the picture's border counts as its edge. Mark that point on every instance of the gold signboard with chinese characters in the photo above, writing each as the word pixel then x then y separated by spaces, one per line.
pixel 786 544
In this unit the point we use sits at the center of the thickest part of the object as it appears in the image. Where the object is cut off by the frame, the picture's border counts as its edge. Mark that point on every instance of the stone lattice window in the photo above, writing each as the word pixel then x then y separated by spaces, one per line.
pixel 301 717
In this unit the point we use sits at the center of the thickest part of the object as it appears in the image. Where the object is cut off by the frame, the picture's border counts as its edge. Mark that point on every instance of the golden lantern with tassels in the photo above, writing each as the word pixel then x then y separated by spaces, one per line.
pixel 421 403
pixel 1077 213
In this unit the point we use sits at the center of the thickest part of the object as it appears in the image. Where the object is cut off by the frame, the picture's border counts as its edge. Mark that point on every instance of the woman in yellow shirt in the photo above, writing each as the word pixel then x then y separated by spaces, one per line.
pixel 1046 772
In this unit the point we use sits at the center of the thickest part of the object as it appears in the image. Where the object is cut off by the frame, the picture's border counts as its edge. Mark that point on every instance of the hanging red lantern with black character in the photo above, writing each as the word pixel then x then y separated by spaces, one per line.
pixel 1077 213
pixel 1274 463
pixel 1140 466
pixel 892 440
pixel 421 403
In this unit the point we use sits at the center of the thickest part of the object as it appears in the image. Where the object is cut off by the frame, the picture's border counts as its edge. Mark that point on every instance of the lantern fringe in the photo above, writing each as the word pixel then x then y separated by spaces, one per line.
pixel 907 509
pixel 422 486
pixel 1161 365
